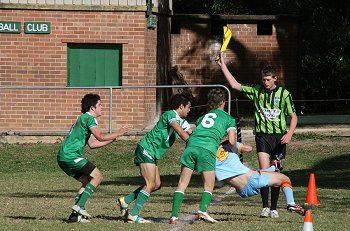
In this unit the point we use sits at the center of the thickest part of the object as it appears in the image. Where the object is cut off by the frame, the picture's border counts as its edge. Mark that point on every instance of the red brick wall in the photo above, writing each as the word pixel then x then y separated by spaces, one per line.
pixel 41 60
pixel 246 54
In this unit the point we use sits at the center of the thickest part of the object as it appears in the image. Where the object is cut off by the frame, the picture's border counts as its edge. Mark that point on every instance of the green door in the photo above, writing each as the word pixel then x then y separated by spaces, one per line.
pixel 92 65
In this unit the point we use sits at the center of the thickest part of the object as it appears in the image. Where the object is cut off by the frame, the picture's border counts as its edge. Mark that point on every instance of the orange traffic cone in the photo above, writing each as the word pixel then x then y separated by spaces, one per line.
pixel 307 226
pixel 311 197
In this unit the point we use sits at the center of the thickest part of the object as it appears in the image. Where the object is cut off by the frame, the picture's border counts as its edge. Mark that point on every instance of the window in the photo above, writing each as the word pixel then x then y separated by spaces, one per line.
pixel 92 65
pixel 264 28
pixel 175 26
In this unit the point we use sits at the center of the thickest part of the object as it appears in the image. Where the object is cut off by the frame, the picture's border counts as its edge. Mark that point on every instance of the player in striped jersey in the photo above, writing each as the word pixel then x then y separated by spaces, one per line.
pixel 272 105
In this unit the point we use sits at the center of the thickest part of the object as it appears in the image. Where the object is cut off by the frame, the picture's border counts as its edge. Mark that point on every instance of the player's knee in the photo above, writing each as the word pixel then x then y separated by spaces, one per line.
pixel 285 178
pixel 98 177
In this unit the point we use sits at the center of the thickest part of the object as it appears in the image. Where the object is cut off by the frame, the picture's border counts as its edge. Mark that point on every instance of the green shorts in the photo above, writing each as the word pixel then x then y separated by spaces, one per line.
pixel 71 168
pixel 198 159
pixel 142 156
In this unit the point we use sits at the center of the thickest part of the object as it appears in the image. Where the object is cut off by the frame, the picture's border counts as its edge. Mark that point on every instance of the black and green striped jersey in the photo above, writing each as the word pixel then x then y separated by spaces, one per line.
pixel 271 108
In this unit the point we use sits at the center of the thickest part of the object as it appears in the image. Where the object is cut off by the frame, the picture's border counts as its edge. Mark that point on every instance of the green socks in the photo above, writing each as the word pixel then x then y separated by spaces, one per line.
pixel 132 196
pixel 205 201
pixel 140 201
pixel 89 189
pixel 177 201
pixel 77 198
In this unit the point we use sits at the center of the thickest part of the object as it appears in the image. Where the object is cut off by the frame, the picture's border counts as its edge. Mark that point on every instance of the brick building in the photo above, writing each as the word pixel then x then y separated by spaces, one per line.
pixel 98 39
pixel 257 40
pixel 78 43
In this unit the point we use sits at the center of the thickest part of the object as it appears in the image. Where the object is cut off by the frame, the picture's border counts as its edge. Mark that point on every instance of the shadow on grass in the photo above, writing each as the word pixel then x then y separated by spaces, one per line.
pixel 332 173
pixel 167 181
pixel 21 217
pixel 110 218
pixel 33 195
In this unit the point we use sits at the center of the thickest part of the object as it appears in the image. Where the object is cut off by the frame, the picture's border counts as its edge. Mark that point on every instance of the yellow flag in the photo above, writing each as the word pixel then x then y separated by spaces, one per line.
pixel 227 36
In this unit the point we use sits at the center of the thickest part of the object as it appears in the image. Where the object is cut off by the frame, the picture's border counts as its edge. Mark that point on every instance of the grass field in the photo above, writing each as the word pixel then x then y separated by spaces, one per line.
pixel 36 195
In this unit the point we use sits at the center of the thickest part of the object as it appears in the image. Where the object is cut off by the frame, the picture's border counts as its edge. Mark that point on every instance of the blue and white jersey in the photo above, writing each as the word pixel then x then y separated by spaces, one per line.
pixel 228 163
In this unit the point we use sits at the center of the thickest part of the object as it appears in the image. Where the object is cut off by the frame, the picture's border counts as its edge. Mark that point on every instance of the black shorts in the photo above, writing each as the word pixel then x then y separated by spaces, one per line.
pixel 271 144
pixel 86 170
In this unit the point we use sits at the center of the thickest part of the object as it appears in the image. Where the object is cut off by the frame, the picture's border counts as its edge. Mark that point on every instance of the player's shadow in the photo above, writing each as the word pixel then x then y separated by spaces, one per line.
pixel 167 181
pixel 21 217
pixel 333 172
pixel 110 218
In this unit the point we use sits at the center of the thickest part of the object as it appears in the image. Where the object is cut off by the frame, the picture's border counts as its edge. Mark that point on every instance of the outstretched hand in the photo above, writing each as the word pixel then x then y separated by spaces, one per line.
pixel 124 129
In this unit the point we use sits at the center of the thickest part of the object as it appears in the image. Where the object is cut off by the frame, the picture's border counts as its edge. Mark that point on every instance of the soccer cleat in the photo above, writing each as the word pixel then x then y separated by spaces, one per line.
pixel 81 211
pixel 124 207
pixel 75 217
pixel 204 216
pixel 173 220
pixel 83 219
pixel 274 214
pixel 136 219
pixel 278 165
pixel 265 212
pixel 296 208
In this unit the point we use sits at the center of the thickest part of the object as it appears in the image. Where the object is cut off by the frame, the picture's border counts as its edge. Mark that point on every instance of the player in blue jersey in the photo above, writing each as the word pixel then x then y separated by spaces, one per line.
pixel 247 182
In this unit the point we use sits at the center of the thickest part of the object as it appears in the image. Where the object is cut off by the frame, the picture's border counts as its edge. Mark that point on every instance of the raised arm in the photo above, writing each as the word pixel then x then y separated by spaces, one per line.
pixel 232 81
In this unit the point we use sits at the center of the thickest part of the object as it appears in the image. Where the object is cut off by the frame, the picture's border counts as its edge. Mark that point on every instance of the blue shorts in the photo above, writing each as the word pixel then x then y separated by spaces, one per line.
pixel 255 182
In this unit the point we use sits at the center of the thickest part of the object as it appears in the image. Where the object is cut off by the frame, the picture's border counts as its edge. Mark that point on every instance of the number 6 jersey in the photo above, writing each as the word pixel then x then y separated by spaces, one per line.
pixel 210 129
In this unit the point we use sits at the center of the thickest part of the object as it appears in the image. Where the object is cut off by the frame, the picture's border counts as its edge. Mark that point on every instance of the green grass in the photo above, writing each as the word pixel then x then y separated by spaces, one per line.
pixel 36 195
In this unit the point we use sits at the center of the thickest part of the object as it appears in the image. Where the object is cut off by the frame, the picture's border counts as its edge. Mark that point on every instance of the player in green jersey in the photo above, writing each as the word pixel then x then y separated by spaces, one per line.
pixel 150 149
pixel 200 153
pixel 72 160
pixel 272 105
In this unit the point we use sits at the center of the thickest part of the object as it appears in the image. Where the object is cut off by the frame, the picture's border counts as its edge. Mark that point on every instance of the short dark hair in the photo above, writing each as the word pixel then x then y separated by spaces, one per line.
pixel 177 100
pixel 215 97
pixel 88 101
pixel 269 70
